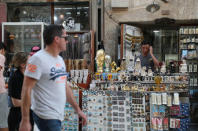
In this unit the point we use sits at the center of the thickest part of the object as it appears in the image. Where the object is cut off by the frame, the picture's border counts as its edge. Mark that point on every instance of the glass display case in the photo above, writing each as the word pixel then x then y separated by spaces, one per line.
pixel 21 36
pixel 74 17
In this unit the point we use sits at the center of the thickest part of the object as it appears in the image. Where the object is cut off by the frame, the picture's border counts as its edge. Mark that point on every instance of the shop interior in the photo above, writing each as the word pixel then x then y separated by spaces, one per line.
pixel 170 45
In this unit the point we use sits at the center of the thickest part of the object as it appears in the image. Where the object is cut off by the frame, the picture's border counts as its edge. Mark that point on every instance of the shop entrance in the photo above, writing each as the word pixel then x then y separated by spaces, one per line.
pixel 171 44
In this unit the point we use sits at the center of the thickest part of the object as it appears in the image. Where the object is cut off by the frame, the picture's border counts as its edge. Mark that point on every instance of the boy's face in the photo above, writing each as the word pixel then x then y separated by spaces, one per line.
pixel 145 49
pixel 2 51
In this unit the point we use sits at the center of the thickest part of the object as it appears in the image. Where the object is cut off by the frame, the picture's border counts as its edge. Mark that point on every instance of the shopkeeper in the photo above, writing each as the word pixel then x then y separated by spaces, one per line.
pixel 147 58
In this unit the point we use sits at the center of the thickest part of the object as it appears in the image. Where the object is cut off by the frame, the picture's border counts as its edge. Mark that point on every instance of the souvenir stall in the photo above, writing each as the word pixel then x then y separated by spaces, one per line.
pixel 119 99
pixel 129 97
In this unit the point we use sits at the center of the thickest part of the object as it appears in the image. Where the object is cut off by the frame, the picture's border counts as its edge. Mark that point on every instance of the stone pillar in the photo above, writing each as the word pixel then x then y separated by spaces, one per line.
pixel 3 16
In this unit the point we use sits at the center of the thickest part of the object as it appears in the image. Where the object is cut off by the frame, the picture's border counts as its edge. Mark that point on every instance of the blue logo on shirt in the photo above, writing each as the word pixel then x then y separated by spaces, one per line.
pixel 55 73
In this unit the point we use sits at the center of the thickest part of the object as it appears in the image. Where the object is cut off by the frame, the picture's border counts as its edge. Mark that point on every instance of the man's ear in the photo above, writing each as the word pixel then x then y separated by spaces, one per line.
pixel 56 38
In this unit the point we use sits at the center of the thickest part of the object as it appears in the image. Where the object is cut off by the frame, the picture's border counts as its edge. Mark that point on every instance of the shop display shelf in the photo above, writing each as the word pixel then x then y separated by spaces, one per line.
pixel 187 35
pixel 189 43
pixel 138 82
pixel 187 49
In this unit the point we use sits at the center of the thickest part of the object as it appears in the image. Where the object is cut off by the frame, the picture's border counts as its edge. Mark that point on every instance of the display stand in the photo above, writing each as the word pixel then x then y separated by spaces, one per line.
pixel 71 120
pixel 137 105
pixel 188 45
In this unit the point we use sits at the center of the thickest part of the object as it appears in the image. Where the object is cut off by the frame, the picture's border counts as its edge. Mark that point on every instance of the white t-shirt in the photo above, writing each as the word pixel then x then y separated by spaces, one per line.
pixel 49 94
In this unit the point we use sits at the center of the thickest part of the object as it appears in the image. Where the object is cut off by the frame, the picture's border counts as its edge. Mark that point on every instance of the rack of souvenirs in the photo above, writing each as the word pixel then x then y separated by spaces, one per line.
pixel 136 111
pixel 137 103
pixel 124 81
pixel 71 120
pixel 160 103
pixel 131 98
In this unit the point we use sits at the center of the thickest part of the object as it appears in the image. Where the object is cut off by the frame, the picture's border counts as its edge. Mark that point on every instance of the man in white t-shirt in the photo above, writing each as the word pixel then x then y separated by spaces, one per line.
pixel 45 84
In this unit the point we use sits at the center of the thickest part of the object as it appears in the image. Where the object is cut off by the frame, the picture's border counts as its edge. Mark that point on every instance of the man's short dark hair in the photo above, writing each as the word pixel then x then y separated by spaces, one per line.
pixel 50 32
pixel 2 46
pixel 145 43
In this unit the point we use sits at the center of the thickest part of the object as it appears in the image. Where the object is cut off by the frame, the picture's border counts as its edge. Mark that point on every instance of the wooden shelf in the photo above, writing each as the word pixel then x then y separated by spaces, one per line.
pixel 187 49
pixel 184 35
pixel 189 43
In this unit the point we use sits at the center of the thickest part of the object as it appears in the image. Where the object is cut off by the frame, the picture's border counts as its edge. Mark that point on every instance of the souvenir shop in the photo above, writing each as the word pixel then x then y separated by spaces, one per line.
pixel 116 95
pixel 127 97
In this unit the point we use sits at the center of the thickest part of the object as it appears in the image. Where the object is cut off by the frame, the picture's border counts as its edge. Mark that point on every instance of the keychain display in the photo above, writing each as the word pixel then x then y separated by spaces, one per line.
pixel 170 114
pixel 71 121
pixel 114 110
pixel 138 112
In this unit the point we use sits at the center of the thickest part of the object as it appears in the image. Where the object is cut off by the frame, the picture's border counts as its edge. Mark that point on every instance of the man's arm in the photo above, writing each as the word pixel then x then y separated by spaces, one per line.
pixel 16 102
pixel 28 84
pixel 72 101
pixel 156 62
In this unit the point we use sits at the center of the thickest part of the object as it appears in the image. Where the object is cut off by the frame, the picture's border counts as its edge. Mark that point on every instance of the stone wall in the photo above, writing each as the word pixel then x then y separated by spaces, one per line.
pixel 179 10
pixel 3 16
pixel 38 0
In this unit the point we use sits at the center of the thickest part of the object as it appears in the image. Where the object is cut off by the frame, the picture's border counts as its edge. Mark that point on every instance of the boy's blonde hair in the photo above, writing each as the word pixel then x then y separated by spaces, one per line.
pixel 19 58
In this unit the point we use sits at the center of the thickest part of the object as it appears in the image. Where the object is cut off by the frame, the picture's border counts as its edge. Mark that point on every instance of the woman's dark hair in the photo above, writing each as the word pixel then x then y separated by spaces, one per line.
pixel 50 32
pixel 2 46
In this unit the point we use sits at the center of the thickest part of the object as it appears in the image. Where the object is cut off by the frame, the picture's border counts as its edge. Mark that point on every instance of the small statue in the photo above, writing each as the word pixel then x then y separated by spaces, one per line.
pixel 107 63
pixel 137 70
pixel 163 68
pixel 183 67
pixel 158 80
pixel 113 67
pixel 150 72
pixel 138 64
pixel 143 71
pixel 118 69
pixel 100 57
pixel 123 65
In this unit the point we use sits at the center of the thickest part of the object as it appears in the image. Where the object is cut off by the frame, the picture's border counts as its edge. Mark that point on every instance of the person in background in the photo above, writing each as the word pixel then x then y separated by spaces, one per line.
pixel 14 91
pixel 147 58
pixel 46 80
pixel 34 49
pixel 3 92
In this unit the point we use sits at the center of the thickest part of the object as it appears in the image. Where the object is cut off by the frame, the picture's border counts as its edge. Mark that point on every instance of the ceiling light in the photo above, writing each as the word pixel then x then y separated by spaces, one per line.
pixel 153 7
pixel 165 1
pixel 156 31
pixel 55 18
pixel 76 36
pixel 24 12
pixel 61 16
